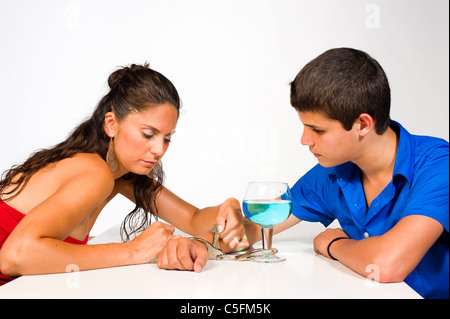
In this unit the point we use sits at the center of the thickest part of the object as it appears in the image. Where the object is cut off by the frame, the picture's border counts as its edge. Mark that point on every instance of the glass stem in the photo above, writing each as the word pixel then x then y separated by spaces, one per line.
pixel 266 235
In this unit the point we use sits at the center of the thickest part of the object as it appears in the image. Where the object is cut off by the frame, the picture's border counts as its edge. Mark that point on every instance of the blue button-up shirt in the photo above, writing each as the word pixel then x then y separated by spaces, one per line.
pixel 419 186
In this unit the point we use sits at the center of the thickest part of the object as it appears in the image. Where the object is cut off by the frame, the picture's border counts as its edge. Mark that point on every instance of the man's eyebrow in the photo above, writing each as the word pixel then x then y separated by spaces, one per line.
pixel 309 125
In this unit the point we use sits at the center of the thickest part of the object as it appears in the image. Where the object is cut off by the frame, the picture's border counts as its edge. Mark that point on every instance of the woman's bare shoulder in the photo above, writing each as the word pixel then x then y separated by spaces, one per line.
pixel 78 175
pixel 83 177
pixel 89 166
pixel 87 161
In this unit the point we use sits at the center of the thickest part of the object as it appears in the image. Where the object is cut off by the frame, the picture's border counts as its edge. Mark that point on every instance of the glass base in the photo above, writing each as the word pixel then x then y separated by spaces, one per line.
pixel 269 259
pixel 267 256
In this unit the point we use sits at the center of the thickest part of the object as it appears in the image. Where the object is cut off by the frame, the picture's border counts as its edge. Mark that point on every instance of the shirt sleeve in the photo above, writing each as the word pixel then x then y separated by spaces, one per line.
pixel 307 201
pixel 429 189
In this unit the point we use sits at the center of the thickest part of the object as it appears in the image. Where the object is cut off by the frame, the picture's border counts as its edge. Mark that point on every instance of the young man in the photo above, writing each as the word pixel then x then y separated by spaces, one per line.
pixel 388 189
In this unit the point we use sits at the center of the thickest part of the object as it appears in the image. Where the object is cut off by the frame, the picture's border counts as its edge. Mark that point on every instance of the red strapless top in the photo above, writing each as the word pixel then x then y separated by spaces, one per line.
pixel 9 218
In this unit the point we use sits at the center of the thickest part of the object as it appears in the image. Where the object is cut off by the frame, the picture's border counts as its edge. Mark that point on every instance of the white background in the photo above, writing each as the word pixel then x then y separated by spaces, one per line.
pixel 231 61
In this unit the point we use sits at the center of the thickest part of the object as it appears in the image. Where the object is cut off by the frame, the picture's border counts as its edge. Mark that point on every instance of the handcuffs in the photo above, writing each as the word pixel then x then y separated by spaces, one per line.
pixel 216 253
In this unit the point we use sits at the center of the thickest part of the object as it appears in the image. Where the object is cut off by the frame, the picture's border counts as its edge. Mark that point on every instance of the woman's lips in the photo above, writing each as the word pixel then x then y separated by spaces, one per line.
pixel 150 163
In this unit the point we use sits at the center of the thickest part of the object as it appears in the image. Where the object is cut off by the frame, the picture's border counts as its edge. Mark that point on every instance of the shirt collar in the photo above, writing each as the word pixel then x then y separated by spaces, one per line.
pixel 403 159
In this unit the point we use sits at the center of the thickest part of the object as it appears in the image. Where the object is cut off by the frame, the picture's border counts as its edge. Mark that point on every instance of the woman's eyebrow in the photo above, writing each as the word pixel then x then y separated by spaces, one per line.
pixel 154 129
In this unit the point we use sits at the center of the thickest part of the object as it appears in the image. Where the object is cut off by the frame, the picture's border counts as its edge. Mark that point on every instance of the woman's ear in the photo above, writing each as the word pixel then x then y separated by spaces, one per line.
pixel 366 124
pixel 110 124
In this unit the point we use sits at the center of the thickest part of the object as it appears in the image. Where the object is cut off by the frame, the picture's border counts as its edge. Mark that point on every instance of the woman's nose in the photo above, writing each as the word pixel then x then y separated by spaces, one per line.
pixel 157 148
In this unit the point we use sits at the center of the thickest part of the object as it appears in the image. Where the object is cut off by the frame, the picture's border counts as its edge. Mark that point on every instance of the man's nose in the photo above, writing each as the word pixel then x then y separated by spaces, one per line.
pixel 306 139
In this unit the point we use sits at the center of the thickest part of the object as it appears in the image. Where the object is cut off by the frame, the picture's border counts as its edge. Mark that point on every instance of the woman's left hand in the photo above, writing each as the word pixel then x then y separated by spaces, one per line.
pixel 230 224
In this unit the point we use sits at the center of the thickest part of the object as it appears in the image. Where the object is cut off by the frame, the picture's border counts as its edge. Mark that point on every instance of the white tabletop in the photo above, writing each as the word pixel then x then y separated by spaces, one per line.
pixel 304 274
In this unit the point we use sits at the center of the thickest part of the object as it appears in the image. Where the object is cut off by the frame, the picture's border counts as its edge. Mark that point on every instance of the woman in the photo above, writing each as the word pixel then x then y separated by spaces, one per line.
pixel 49 204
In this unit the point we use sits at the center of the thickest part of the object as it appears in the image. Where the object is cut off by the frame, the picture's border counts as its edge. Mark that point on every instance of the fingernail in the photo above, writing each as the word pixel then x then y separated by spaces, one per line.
pixel 197 268
pixel 220 228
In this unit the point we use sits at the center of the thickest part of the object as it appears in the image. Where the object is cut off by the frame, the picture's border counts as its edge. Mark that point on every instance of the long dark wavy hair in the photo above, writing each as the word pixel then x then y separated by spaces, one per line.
pixel 132 89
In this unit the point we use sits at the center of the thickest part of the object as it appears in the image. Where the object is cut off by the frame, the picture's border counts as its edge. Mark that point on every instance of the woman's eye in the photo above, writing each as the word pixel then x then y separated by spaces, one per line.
pixel 168 138
pixel 147 134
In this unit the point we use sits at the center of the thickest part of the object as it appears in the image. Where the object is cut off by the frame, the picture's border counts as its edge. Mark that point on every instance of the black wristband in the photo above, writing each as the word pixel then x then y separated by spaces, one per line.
pixel 329 245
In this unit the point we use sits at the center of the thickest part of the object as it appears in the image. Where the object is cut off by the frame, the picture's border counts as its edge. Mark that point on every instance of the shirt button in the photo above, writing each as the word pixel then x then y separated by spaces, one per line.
pixel 366 234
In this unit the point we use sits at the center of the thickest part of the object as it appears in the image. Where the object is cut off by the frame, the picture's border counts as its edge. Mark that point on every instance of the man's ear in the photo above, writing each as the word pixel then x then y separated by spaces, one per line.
pixel 366 124
pixel 110 124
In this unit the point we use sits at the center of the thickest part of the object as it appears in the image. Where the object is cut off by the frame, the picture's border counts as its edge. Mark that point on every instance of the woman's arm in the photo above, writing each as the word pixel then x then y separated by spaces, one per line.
pixel 394 255
pixel 36 245
pixel 185 216
pixel 198 222
pixel 48 255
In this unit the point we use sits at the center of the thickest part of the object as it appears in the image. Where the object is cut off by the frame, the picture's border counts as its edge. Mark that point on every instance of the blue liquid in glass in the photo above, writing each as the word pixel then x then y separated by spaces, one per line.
pixel 267 213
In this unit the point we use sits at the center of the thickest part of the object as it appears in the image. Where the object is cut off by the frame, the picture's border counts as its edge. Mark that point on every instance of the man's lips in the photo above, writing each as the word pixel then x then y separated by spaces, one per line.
pixel 151 163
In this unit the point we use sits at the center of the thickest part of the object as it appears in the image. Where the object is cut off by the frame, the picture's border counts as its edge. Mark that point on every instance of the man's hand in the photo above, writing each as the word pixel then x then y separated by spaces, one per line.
pixel 322 240
pixel 183 254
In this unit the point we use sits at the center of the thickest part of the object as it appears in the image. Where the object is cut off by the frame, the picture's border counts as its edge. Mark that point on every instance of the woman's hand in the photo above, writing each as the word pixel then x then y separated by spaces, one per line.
pixel 322 240
pixel 183 254
pixel 148 245
pixel 230 226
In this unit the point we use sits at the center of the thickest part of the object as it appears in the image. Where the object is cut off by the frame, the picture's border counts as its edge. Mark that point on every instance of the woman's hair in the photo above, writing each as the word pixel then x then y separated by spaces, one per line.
pixel 132 89
pixel 344 83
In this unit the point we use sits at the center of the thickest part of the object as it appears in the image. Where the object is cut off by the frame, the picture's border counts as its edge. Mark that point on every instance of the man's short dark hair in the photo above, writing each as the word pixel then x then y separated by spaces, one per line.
pixel 344 83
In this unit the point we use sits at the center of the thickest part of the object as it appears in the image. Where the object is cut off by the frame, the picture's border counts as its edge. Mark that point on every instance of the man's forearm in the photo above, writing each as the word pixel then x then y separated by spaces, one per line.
pixel 370 258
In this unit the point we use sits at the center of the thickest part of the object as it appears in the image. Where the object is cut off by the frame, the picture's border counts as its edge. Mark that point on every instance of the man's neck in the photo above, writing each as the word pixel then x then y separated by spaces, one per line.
pixel 378 161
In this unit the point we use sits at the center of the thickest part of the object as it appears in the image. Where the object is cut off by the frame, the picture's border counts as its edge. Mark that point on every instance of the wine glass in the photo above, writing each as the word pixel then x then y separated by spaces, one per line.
pixel 267 204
